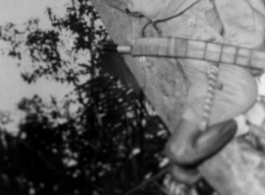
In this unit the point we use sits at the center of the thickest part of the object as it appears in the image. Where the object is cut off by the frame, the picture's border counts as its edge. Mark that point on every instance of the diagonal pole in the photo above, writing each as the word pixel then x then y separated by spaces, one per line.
pixel 185 48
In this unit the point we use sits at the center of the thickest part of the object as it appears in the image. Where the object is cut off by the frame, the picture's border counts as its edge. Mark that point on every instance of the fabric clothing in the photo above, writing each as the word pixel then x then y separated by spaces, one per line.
pixel 237 22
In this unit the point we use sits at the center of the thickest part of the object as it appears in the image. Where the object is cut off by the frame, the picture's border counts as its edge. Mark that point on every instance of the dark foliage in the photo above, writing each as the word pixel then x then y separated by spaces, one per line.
pixel 109 145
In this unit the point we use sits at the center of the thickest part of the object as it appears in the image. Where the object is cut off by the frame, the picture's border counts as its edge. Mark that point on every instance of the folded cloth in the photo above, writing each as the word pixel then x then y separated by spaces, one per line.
pixel 159 9
pixel 237 22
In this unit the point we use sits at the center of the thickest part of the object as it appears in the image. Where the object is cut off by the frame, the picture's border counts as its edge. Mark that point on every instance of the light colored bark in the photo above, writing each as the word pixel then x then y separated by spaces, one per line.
pixel 239 168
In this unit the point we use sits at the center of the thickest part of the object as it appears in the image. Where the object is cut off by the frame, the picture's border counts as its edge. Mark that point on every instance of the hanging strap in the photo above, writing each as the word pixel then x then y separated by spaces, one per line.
pixel 213 85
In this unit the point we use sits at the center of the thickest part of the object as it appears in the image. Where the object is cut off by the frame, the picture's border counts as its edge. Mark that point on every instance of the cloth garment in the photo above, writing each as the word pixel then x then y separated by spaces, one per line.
pixel 237 22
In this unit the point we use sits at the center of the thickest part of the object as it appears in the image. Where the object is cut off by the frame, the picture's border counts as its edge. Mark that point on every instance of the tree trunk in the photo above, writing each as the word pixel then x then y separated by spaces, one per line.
pixel 237 169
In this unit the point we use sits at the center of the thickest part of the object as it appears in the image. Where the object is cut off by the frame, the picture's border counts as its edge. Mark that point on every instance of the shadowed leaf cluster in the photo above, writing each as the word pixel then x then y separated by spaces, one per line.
pixel 108 145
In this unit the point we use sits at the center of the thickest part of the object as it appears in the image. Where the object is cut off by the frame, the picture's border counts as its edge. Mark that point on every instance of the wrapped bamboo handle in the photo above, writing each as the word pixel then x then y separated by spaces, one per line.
pixel 193 49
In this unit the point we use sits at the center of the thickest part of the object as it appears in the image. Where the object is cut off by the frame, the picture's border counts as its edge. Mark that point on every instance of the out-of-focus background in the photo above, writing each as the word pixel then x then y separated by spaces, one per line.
pixel 67 126
pixel 12 86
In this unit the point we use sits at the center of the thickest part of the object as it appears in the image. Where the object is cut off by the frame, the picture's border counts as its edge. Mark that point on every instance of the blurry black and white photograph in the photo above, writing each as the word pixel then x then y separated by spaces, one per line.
pixel 132 97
